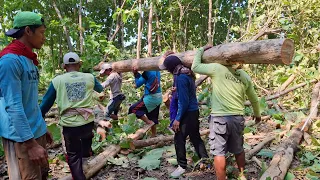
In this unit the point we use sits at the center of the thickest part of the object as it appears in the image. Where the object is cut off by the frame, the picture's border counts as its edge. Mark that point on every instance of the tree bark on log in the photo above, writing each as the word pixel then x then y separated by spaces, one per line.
pixel 152 141
pixel 247 103
pixel 98 162
pixel 284 154
pixel 274 51
pixel 140 132
pixel 258 147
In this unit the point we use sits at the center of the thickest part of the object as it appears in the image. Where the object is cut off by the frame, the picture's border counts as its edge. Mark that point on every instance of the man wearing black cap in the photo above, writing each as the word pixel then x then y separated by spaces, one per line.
pixel 186 122
pixel 22 127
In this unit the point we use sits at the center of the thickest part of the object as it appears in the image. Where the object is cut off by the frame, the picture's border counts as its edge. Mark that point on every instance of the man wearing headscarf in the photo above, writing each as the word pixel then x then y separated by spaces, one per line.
pixel 186 121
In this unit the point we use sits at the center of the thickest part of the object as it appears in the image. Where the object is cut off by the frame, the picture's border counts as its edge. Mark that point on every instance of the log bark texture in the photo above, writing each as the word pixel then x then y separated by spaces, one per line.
pixel 98 162
pixel 140 132
pixel 274 51
pixel 161 139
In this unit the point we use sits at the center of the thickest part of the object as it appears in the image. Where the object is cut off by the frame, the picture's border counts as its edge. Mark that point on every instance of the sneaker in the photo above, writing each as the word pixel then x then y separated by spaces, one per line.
pixel 178 172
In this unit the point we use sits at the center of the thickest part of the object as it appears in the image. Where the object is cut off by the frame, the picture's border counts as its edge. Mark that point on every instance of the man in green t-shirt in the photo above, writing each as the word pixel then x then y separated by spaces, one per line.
pixel 230 84
pixel 73 93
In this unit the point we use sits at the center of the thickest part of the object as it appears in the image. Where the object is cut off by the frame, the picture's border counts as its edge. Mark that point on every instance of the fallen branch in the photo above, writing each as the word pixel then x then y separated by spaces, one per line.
pixel 140 132
pixel 257 161
pixel 98 162
pixel 160 139
pixel 286 83
pixel 258 147
pixel 200 80
pixel 247 103
pixel 284 154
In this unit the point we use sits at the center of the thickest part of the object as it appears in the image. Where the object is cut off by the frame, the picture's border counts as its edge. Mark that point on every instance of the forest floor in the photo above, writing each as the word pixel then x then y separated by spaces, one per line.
pixel 129 167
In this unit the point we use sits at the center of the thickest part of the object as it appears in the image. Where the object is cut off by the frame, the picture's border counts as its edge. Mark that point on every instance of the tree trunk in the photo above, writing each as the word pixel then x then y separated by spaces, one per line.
pixel 150 30
pixel 65 30
pixel 139 30
pixel 210 40
pixel 230 20
pixel 281 161
pixel 98 162
pixel 80 27
pixel 173 37
pixel 152 141
pixel 274 51
pixel 181 14
pixel 158 33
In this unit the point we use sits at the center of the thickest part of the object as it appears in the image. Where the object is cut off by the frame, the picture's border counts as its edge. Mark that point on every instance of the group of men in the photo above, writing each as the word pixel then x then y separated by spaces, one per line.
pixel 23 129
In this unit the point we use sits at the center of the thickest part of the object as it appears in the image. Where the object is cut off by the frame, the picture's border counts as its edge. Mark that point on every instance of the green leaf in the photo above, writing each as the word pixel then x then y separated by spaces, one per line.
pixel 151 160
pixel 289 176
pixel 172 161
pixel 266 153
pixel 149 178
pixel 55 132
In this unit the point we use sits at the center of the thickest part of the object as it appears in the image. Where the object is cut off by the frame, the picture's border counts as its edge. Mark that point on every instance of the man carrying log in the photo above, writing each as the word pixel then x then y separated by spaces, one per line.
pixel 114 80
pixel 73 92
pixel 186 121
pixel 147 108
pixel 22 128
pixel 230 84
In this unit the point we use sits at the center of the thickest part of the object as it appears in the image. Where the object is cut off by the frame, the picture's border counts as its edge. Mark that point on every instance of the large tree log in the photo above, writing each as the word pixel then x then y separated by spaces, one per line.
pixel 284 154
pixel 98 162
pixel 152 141
pixel 274 51
pixel 268 98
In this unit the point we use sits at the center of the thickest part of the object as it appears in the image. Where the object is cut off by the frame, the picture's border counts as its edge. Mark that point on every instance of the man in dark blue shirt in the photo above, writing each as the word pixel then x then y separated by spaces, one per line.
pixel 186 122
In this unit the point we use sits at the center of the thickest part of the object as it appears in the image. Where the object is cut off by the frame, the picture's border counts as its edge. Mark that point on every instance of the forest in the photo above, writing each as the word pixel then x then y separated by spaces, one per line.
pixel 117 30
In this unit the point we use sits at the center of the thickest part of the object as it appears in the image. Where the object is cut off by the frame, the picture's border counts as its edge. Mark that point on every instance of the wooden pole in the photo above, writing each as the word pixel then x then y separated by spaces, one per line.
pixel 273 51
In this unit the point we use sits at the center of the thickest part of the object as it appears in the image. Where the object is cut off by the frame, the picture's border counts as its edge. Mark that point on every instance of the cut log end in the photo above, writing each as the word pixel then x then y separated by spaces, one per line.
pixel 287 51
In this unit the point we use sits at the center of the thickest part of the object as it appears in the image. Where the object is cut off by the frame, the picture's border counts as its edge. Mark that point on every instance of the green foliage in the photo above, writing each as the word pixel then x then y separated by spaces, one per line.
pixel 55 131
pixel 289 176
pixel 1 148
pixel 266 153
pixel 152 159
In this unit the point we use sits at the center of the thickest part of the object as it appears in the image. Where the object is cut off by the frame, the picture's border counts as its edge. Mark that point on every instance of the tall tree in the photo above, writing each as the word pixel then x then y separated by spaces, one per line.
pixel 80 27
pixel 150 30
pixel 210 38
pixel 139 30
pixel 65 30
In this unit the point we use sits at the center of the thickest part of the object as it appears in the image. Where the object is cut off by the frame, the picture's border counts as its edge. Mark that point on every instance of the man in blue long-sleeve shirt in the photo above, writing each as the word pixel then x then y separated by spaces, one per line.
pixel 21 125
pixel 186 122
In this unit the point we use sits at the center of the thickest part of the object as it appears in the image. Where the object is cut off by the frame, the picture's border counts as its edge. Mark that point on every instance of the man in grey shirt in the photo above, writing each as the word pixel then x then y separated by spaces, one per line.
pixel 114 80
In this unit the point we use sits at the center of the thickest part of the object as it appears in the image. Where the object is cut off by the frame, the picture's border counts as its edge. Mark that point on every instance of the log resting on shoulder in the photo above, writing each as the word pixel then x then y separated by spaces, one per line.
pixel 273 51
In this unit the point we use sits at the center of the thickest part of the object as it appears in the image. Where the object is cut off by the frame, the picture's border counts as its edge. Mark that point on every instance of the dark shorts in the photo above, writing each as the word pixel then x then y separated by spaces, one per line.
pixel 114 105
pixel 226 135
pixel 140 109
